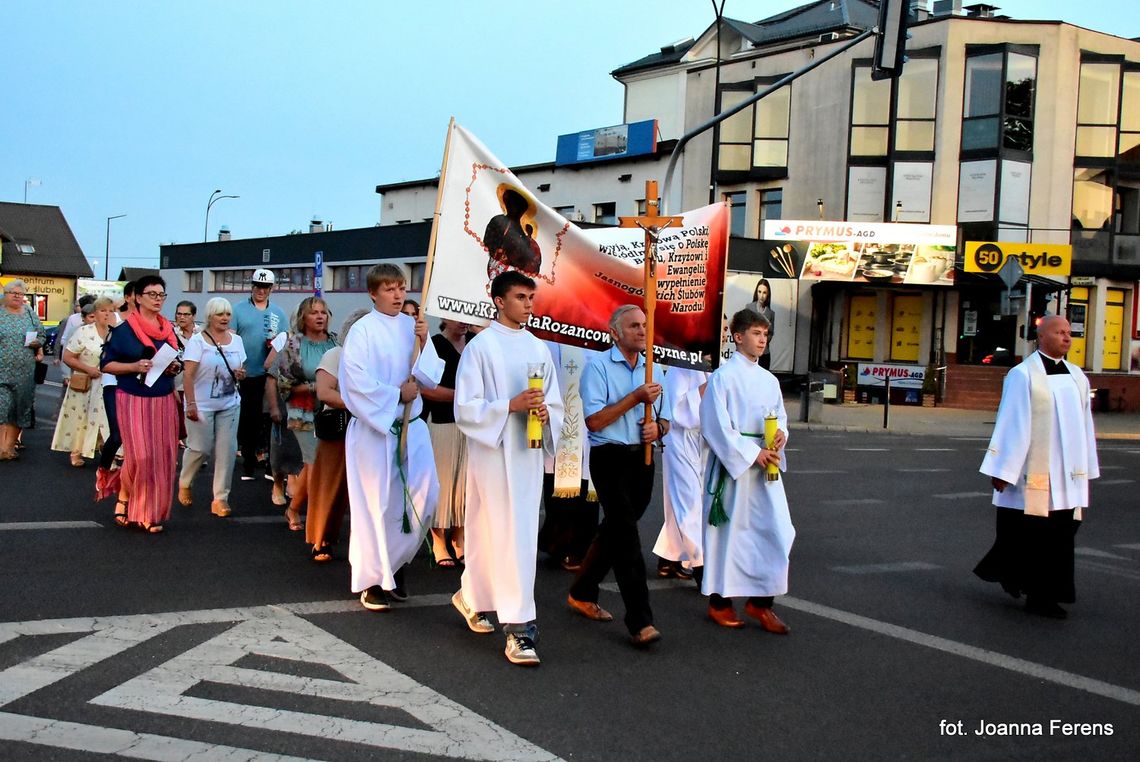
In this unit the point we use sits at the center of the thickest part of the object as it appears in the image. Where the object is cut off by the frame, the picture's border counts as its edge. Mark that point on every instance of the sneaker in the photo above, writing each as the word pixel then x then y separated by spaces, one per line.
pixel 476 622
pixel 375 599
pixel 268 477
pixel 520 650
pixel 247 477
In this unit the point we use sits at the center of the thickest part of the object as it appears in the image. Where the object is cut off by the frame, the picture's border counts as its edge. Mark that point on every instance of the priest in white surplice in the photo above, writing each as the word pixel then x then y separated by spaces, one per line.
pixel 682 474
pixel 391 503
pixel 748 531
pixel 504 474
pixel 1040 459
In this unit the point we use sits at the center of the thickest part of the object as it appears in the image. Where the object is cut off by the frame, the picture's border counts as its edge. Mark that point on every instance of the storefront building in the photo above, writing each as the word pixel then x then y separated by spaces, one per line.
pixel 39 248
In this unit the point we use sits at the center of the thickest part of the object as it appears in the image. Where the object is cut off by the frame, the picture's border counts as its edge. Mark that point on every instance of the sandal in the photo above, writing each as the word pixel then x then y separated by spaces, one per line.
pixel 151 528
pixel 121 516
pixel 279 497
pixel 322 554
pixel 447 562
pixel 293 519
pixel 77 460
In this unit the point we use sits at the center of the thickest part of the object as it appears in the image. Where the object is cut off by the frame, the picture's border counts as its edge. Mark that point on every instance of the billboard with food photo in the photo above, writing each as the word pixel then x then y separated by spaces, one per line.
pixel 871 253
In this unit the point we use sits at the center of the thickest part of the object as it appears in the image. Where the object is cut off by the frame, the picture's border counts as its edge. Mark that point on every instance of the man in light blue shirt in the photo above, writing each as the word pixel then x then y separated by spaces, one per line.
pixel 256 321
pixel 614 396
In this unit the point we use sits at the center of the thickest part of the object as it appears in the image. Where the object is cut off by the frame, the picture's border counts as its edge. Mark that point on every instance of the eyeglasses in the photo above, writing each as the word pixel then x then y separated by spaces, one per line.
pixel 154 294
pixel 183 314
pixel 17 293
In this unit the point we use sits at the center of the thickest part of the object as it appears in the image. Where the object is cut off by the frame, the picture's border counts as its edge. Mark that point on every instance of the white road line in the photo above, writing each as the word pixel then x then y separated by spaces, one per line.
pixel 1114 571
pixel 867 449
pixel 936 449
pixel 818 471
pixel 985 656
pixel 961 495
pixel 1112 482
pixel 1130 546
pixel 922 470
pixel 124 743
pixel 274 519
pixel 899 566
pixel 1094 553
pixel 1111 468
pixel 17 526
pixel 854 501
pixel 972 439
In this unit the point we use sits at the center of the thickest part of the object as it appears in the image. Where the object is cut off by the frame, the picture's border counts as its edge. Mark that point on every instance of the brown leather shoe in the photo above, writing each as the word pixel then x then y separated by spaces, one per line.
pixel 589 610
pixel 767 619
pixel 646 635
pixel 726 617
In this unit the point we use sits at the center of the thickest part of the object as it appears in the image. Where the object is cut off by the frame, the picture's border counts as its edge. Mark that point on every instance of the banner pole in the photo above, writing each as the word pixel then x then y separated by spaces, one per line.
pixel 650 299
pixel 403 445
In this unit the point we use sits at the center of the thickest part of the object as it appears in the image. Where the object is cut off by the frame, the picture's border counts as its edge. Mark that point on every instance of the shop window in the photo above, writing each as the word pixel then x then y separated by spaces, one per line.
pixel 906 328
pixel 1078 324
pixel 1112 355
pixel 861 318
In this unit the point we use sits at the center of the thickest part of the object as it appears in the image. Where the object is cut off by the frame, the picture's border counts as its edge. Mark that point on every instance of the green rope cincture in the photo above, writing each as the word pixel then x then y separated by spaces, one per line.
pixel 717 515
pixel 405 522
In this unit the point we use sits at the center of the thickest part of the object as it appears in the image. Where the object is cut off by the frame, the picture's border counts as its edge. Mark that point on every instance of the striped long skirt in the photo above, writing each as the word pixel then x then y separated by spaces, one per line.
pixel 149 428
pixel 450 449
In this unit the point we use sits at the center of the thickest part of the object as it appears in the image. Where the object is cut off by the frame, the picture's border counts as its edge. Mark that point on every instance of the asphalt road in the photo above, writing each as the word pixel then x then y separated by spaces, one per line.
pixel 220 640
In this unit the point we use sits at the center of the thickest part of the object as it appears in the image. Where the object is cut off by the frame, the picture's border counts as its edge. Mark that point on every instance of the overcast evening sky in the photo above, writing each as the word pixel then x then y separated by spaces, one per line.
pixel 302 108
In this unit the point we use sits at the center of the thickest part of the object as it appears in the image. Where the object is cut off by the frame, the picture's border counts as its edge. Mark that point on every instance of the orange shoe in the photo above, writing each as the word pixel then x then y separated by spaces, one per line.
pixel 767 619
pixel 726 617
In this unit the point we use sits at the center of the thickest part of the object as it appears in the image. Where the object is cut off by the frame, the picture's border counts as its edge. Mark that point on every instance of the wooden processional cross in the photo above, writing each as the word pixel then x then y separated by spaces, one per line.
pixel 652 223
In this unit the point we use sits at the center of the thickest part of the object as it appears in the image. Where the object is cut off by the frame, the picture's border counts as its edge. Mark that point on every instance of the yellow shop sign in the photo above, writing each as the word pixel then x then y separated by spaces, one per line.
pixel 1035 258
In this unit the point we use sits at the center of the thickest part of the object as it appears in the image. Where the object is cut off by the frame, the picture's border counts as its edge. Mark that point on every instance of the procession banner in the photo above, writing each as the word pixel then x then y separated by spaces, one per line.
pixel 490 222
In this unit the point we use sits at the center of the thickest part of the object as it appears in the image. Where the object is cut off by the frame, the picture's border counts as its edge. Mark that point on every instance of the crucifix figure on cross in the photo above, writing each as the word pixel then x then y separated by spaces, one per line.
pixel 652 223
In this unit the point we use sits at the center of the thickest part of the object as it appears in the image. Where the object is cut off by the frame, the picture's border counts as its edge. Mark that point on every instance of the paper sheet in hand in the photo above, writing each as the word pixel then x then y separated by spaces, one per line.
pixel 278 342
pixel 165 355
pixel 30 337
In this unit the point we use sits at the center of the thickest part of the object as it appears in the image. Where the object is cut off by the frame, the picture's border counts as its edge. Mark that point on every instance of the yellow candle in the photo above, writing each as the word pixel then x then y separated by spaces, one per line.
pixel 772 470
pixel 533 424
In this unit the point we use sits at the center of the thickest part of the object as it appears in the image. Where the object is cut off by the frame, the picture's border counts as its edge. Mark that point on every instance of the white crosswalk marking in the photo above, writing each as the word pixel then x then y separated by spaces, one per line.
pixel 899 566
pixel 437 725
pixel 21 526
pixel 961 495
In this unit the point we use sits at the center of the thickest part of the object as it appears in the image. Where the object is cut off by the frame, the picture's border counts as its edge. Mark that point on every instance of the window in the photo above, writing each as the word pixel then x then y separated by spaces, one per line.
pixel 606 213
pixel 754 142
pixel 870 114
pixel 641 207
pixel 565 211
pixel 917 94
pixel 738 222
pixel 1097 109
pixel 998 103
pixel 771 206
pixel 194 281
pixel 232 280
pixel 416 274
pixel 350 278
pixel 1128 150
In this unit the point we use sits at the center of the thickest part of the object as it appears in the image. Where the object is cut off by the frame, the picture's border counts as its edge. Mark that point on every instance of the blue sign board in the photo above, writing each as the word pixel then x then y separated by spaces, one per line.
pixel 602 144
pixel 318 272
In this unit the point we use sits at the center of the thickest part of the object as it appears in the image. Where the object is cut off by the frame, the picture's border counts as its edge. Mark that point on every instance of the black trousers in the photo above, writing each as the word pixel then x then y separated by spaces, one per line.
pixel 114 441
pixel 1033 555
pixel 252 429
pixel 624 485
pixel 571 522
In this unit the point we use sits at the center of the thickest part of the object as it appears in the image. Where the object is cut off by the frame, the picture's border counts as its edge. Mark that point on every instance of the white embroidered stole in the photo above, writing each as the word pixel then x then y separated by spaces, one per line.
pixel 1037 484
pixel 568 459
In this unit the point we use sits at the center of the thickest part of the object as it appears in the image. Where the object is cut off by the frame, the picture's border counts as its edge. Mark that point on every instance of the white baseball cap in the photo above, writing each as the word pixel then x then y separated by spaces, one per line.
pixel 262 277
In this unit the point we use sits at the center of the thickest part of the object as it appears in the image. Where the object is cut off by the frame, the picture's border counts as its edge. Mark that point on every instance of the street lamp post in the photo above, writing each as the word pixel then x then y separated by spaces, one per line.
pixel 107 251
pixel 206 229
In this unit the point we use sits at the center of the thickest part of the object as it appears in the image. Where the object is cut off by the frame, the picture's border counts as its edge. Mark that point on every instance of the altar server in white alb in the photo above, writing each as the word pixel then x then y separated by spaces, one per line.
pixel 391 503
pixel 682 473
pixel 494 397
pixel 1040 459
pixel 748 531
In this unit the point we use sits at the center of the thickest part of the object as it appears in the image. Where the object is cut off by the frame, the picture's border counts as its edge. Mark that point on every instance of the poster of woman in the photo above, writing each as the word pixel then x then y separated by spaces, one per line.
pixel 775 299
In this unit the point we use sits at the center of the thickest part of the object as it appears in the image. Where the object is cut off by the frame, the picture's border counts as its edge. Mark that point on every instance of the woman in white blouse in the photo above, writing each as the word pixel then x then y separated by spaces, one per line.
pixel 213 362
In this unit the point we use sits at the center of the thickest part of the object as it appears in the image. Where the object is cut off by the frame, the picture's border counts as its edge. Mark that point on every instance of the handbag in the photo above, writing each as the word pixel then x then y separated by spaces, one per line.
pixel 79 382
pixel 41 372
pixel 331 423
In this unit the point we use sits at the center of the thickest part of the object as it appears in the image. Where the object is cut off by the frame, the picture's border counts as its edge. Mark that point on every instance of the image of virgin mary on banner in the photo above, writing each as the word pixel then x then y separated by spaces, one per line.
pixel 489 222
